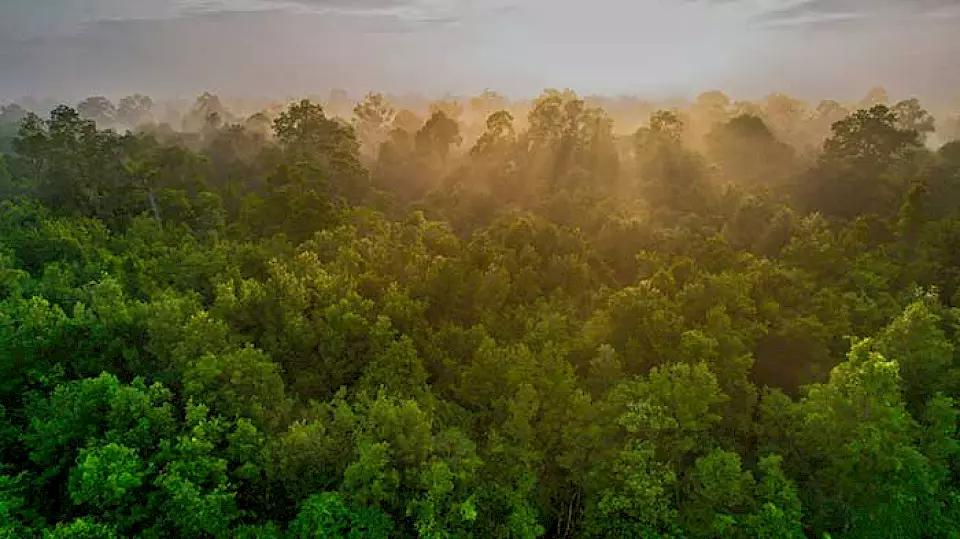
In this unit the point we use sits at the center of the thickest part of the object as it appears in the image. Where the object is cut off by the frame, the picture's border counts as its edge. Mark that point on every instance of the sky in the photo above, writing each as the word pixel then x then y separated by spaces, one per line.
pixel 69 49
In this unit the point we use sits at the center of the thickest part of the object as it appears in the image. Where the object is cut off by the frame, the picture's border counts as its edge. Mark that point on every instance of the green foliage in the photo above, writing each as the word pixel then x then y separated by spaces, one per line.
pixel 503 328
pixel 633 497
pixel 243 383
pixel 104 477
pixel 438 135
pixel 80 528
pixel 864 166
pixel 726 501
pixel 327 515
pixel 327 146
pixel 856 428
pixel 671 176
pixel 748 152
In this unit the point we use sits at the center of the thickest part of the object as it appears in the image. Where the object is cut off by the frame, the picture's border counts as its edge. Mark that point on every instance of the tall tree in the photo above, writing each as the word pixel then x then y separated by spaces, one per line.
pixel 671 176
pixel 438 136
pixel 912 117
pixel 135 110
pixel 330 147
pixel 99 110
pixel 864 167
pixel 373 117
pixel 748 152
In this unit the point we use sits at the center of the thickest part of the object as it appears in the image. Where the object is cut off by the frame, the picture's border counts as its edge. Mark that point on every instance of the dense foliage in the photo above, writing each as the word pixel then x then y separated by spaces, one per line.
pixel 742 320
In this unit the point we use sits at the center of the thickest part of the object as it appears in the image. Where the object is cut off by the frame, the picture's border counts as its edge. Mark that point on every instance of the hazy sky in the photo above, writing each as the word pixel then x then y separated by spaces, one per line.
pixel 73 48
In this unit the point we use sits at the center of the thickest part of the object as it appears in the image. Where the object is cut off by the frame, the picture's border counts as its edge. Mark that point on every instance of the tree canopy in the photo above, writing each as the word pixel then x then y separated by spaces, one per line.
pixel 475 317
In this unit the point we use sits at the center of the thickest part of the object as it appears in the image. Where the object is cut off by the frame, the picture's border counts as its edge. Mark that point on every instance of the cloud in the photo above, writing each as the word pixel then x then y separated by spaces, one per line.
pixel 826 12
pixel 22 20
pixel 350 4
pixel 414 11
pixel 243 52
pixel 188 7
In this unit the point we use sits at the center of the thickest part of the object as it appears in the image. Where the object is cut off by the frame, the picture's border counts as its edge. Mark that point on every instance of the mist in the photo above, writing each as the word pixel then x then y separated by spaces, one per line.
pixel 651 48
pixel 479 269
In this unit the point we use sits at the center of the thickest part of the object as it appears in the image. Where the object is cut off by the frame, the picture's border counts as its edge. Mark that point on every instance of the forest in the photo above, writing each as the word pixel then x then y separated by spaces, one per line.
pixel 566 317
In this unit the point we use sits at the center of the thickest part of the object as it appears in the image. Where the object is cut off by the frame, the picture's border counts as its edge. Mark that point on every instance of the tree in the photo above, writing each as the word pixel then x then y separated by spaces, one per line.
pixel 373 117
pixel 135 110
pixel 712 106
pixel 76 168
pixel 10 118
pixel 451 108
pixel 911 117
pixel 400 168
pixel 230 333
pixel 641 324
pixel 407 120
pixel 568 145
pixel 323 145
pixel 107 476
pixel 855 428
pixel 923 352
pixel 726 501
pixel 298 201
pixel 327 515
pixel 671 176
pixel 81 528
pixel 748 152
pixel 259 125
pixel 498 137
pixel 827 113
pixel 863 167
pixel 633 497
pixel 438 136
pixel 243 383
pixel 785 116
pixel 99 110
pixel 206 107
pixel 11 115
pixel 875 96
pixel 487 102
pixel 709 110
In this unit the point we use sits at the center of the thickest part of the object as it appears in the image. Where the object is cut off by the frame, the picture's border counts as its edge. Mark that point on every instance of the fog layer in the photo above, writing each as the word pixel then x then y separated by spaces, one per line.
pixel 69 49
